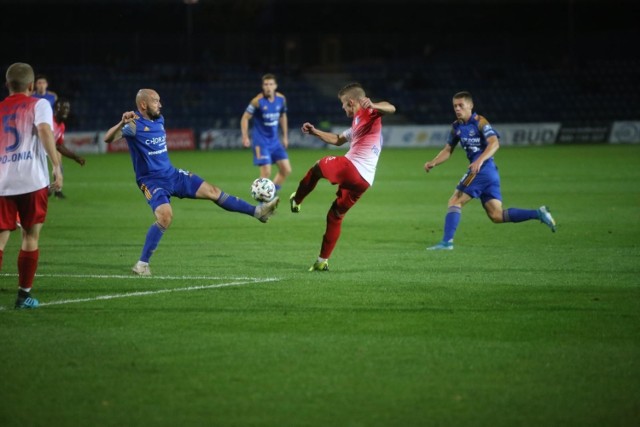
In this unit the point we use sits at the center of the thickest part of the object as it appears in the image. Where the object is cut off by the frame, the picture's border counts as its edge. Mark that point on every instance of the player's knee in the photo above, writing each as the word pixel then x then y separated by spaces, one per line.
pixel 495 217
pixel 208 191
pixel 165 221
pixel 164 217
pixel 338 210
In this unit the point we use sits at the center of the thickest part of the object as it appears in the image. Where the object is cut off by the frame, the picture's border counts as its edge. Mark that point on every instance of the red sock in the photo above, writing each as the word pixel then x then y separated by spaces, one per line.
pixel 331 235
pixel 27 265
pixel 306 185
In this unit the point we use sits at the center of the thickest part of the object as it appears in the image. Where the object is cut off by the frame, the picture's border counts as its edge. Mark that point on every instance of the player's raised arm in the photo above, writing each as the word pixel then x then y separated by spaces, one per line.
pixel 382 107
pixel 115 133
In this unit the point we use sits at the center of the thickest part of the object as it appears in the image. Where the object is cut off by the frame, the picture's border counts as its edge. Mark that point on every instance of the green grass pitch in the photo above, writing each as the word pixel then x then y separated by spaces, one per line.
pixel 517 326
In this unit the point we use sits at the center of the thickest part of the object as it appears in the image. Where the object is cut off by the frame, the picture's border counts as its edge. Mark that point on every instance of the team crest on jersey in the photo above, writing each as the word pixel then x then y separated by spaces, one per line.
pixel 472 132
pixel 146 129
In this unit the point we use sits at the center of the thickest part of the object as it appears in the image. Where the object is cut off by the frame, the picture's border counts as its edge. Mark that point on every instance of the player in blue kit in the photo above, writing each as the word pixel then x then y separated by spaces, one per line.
pixel 482 180
pixel 269 112
pixel 159 180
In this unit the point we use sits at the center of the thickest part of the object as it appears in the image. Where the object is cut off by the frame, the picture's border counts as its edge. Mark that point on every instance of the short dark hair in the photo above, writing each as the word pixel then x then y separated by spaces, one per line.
pixel 353 90
pixel 269 76
pixel 463 94
pixel 41 76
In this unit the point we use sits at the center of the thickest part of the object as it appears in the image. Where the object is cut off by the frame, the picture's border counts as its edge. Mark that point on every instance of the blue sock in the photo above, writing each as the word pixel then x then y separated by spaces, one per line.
pixel 519 215
pixel 278 187
pixel 155 233
pixel 234 204
pixel 451 222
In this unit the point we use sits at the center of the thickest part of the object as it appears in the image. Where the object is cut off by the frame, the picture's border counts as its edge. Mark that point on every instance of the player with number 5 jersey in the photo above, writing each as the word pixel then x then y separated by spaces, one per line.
pixel 26 139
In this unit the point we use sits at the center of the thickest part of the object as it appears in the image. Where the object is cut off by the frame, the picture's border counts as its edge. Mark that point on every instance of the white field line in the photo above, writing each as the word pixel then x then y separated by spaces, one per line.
pixel 236 281
pixel 134 277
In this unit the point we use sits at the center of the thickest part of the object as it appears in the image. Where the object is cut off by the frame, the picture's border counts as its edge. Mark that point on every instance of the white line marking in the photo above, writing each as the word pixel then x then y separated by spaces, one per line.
pixel 238 282
pixel 134 277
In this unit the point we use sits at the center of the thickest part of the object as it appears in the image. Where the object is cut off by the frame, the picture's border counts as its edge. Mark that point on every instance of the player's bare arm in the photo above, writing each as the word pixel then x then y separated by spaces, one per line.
pixel 383 107
pixel 115 133
pixel 70 154
pixel 327 137
pixel 244 129
pixel 492 146
pixel 284 125
pixel 442 157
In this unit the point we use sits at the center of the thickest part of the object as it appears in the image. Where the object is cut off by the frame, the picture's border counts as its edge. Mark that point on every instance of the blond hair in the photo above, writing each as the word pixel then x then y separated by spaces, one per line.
pixel 19 76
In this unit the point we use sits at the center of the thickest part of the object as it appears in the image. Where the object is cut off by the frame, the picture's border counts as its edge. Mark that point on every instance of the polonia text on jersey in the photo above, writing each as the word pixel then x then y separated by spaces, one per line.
pixel 16 157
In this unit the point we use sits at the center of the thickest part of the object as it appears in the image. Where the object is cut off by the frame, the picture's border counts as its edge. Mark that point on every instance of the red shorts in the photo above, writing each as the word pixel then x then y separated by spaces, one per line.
pixel 32 208
pixel 351 185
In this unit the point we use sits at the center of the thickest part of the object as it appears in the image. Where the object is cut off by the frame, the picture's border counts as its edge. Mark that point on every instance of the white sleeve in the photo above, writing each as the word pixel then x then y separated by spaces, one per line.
pixel 348 134
pixel 44 113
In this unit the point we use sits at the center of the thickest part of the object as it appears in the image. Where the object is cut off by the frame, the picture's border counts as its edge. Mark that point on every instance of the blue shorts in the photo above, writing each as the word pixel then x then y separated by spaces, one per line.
pixel 181 183
pixel 268 153
pixel 484 185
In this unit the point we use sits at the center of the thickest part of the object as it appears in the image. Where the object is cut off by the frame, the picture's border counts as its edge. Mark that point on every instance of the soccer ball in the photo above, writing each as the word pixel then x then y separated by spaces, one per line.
pixel 263 190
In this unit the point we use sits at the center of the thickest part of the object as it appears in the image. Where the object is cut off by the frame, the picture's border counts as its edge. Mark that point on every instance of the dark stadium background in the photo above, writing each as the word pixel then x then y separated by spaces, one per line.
pixel 572 61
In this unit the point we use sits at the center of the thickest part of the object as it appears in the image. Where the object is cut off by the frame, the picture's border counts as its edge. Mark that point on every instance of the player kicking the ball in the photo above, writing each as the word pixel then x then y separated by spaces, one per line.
pixel 159 180
pixel 354 172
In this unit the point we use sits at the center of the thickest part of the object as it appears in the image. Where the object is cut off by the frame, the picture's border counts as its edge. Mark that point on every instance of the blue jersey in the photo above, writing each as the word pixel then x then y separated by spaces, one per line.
pixel 266 115
pixel 49 96
pixel 147 142
pixel 472 136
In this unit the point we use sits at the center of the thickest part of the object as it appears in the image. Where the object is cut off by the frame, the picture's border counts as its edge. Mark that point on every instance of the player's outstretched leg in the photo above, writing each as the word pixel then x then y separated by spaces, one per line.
pixel 545 217
pixel 306 185
pixel 264 211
